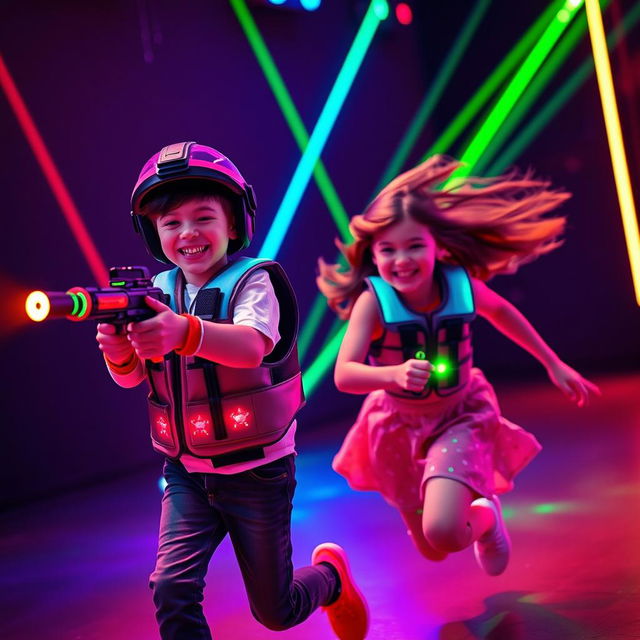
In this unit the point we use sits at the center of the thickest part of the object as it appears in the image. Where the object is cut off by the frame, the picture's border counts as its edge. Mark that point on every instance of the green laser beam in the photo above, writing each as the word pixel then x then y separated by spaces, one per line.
pixel 480 98
pixel 324 126
pixel 542 79
pixel 291 114
pixel 314 374
pixel 333 329
pixel 546 41
pixel 311 324
pixel 552 105
pixel 515 88
pixel 301 136
pixel 434 93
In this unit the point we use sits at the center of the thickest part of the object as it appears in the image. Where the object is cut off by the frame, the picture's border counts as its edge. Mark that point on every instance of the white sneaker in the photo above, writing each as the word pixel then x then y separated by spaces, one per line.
pixel 492 550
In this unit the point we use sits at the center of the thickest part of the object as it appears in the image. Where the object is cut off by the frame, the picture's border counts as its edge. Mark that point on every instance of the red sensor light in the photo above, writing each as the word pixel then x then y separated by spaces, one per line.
pixel 404 13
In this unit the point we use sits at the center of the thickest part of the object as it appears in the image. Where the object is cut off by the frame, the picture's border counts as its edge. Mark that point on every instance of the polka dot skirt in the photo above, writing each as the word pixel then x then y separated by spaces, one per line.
pixel 397 444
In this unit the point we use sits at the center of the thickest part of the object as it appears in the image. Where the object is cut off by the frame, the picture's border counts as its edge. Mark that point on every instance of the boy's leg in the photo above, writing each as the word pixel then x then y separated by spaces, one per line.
pixel 257 507
pixel 190 531
pixel 348 614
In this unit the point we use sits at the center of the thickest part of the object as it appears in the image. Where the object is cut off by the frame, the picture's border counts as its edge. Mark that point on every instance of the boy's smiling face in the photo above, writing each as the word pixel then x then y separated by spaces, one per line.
pixel 195 236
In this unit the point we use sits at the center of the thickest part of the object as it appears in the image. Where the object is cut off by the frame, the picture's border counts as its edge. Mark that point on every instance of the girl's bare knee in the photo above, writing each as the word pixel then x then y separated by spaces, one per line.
pixel 446 536
pixel 445 520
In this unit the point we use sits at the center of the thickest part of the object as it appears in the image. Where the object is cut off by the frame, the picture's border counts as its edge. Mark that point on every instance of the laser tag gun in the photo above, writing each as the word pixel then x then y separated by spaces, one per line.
pixel 118 304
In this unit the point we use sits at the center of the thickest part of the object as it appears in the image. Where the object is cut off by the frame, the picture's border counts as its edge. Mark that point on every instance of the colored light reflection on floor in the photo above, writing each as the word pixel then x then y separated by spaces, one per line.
pixel 547 508
pixel 76 566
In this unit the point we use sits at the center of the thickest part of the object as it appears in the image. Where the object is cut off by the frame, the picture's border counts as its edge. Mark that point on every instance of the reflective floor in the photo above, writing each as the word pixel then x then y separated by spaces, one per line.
pixel 76 567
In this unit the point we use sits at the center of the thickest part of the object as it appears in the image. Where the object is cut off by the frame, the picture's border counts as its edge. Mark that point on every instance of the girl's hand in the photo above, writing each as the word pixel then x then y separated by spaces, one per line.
pixel 413 375
pixel 572 384
pixel 155 337
pixel 115 346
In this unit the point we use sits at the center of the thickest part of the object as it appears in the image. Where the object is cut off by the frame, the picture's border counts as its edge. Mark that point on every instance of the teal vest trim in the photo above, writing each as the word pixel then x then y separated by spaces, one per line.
pixel 456 293
pixel 442 336
pixel 229 278
pixel 166 280
pixel 459 302
pixel 392 310
pixel 225 280
pixel 210 410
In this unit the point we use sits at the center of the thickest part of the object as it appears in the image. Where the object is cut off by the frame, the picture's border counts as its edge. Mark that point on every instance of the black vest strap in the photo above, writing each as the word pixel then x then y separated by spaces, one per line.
pixel 208 304
pixel 410 342
pixel 235 457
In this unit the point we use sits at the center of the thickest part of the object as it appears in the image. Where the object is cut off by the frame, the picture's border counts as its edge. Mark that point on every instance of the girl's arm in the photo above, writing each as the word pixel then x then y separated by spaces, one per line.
pixel 353 376
pixel 509 321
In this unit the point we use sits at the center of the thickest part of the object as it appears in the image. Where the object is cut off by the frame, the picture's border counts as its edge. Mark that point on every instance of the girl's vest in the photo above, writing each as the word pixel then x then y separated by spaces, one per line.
pixel 442 336
pixel 224 413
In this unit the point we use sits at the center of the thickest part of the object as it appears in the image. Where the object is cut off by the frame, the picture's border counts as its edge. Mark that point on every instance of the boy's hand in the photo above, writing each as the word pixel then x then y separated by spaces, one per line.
pixel 413 375
pixel 115 346
pixel 572 384
pixel 155 337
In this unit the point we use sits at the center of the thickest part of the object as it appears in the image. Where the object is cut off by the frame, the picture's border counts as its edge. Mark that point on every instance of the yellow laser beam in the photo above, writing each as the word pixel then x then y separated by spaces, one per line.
pixel 614 136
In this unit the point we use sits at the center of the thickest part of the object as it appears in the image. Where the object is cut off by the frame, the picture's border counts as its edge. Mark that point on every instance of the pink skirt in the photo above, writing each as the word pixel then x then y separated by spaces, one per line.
pixel 397 444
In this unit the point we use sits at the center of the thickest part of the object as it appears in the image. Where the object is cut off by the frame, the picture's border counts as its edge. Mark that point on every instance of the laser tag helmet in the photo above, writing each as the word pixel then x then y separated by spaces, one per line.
pixel 194 162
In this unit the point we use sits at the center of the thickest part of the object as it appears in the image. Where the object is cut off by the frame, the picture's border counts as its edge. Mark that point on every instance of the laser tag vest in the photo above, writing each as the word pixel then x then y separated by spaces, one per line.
pixel 442 336
pixel 226 414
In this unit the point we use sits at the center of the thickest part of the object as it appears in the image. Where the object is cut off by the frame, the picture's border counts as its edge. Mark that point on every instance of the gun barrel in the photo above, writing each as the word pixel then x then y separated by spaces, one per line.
pixel 76 304
pixel 111 304
pixel 40 305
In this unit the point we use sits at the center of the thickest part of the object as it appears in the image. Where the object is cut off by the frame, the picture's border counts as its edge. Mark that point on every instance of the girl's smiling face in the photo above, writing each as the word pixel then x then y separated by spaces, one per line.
pixel 405 254
pixel 195 237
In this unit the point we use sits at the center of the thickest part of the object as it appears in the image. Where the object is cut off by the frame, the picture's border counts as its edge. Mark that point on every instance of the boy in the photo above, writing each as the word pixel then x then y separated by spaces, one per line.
pixel 225 387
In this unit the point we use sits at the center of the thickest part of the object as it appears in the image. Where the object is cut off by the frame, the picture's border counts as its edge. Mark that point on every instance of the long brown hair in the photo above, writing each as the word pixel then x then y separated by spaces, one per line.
pixel 487 225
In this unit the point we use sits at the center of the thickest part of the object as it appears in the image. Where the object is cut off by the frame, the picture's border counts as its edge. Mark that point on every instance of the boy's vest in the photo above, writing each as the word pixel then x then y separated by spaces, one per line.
pixel 226 414
pixel 442 336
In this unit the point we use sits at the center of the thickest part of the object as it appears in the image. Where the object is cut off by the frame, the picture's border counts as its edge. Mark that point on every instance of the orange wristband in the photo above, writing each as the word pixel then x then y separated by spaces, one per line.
pixel 193 338
pixel 126 367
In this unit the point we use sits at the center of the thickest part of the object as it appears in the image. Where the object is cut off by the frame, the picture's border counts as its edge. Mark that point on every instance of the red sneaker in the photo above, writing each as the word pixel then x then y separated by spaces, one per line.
pixel 349 614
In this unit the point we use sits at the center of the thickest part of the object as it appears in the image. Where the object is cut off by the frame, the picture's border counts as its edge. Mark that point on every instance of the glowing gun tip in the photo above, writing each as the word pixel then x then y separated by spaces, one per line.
pixel 37 306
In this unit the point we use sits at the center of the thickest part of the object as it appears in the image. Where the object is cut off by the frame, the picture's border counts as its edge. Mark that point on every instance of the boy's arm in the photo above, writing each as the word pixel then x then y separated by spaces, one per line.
pixel 233 345
pixel 512 323
pixel 243 344
pixel 254 332
pixel 124 366
pixel 131 379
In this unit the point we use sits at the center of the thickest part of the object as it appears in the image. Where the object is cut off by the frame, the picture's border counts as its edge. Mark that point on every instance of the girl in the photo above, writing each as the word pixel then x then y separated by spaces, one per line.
pixel 429 436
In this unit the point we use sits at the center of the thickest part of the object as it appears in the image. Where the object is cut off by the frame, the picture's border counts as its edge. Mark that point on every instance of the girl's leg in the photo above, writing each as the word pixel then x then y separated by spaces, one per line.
pixel 413 520
pixel 449 521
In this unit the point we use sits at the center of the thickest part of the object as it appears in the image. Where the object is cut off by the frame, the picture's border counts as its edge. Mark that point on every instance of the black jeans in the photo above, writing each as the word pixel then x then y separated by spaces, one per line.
pixel 254 508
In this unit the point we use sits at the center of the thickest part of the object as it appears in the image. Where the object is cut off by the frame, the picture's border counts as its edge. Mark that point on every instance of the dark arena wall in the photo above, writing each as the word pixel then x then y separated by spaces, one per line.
pixel 108 84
